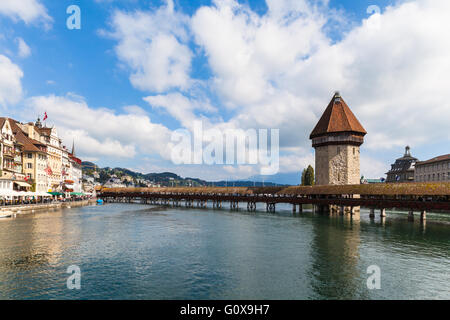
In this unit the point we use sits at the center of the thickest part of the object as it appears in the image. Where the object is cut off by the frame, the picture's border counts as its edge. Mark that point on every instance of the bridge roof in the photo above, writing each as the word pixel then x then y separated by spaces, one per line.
pixel 337 117
pixel 419 189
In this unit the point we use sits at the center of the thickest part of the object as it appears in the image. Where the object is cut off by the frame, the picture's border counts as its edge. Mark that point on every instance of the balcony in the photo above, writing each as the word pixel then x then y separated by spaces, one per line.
pixel 9 153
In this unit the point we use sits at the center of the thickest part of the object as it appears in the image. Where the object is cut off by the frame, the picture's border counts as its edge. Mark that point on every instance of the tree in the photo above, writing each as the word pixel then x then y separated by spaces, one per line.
pixel 104 177
pixel 308 176
pixel 303 177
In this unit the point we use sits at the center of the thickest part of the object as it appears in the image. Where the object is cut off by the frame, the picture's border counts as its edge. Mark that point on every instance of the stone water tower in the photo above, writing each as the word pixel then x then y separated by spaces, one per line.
pixel 336 139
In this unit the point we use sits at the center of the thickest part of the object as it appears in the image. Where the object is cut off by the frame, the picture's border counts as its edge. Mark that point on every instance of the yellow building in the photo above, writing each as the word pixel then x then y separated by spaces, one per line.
pixel 34 155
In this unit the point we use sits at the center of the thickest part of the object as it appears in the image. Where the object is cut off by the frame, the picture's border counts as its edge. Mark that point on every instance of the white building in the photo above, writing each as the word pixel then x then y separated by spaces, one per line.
pixel 433 170
pixel 75 171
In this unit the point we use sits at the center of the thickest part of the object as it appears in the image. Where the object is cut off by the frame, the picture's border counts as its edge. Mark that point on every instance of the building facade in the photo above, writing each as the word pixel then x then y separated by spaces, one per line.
pixel 336 139
pixel 436 169
pixel 75 171
pixel 32 157
pixel 12 156
pixel 37 156
pixel 8 148
pixel 402 170
pixel 54 159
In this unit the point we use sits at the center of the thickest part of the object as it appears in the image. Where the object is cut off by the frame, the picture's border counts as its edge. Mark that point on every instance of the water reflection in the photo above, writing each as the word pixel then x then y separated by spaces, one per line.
pixel 335 252
pixel 145 252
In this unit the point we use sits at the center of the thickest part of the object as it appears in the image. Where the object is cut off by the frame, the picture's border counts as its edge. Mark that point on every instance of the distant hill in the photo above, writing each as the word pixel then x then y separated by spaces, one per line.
pixel 172 179
pixel 86 165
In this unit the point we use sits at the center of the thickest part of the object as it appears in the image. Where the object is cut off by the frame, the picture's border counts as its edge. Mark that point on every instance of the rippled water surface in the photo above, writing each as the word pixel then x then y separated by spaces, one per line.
pixel 132 251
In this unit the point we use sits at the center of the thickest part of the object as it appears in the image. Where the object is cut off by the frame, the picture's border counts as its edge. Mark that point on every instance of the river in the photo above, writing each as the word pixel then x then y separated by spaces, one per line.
pixel 134 251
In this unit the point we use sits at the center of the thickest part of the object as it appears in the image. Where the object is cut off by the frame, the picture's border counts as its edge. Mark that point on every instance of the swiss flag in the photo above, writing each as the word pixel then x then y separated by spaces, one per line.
pixel 45 116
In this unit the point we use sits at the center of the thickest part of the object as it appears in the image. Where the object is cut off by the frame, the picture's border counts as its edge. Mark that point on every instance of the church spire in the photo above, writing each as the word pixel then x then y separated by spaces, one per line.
pixel 38 123
pixel 73 147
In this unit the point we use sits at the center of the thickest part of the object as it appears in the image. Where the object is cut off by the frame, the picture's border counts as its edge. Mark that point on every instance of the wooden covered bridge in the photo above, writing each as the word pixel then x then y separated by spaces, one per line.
pixel 410 196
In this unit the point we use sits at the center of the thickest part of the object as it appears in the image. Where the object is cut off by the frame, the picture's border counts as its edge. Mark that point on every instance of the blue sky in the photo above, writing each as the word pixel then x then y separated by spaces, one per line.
pixel 224 70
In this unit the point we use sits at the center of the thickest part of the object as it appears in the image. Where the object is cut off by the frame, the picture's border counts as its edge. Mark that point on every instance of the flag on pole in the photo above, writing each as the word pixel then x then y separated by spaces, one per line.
pixel 45 116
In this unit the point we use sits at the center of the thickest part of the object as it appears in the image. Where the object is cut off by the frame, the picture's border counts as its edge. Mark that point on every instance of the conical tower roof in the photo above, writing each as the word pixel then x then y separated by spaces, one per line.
pixel 337 118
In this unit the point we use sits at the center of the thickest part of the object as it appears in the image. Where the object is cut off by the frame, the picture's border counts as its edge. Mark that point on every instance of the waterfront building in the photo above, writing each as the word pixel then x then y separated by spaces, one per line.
pixel 114 182
pixel 402 170
pixel 336 139
pixel 34 159
pixel 6 186
pixel 435 169
pixel 8 151
pixel 75 171
pixel 12 167
pixel 54 159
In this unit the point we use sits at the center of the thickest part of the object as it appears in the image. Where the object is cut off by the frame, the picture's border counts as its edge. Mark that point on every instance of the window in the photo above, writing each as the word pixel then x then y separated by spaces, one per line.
pixel 30 156
pixel 338 150
pixel 29 165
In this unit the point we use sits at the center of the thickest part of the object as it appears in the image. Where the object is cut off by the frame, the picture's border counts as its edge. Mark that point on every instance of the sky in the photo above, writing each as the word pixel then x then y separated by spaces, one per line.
pixel 138 71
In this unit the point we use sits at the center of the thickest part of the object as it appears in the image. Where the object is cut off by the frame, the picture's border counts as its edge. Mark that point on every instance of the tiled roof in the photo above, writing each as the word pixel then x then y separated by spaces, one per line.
pixel 37 142
pixel 337 118
pixel 21 137
pixel 435 159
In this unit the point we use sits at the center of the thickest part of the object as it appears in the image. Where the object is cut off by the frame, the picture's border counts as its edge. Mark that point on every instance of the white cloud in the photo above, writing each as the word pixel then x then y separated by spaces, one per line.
pixel 102 132
pixel 29 11
pixel 249 53
pixel 279 70
pixel 10 82
pixel 152 45
pixel 22 47
pixel 180 107
pixel 135 110
pixel 372 168
pixel 296 162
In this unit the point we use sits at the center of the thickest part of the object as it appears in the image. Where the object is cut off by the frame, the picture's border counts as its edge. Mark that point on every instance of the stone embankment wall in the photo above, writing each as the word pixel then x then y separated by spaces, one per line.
pixel 31 208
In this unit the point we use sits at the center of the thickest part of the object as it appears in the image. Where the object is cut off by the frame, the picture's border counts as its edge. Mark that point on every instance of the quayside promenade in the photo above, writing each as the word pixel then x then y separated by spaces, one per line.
pixel 338 199
pixel 8 211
